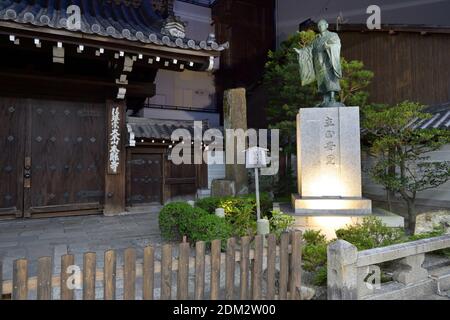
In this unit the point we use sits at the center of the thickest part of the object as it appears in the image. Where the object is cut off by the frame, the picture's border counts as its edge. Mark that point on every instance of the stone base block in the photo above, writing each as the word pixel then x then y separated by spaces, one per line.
pixel 223 188
pixel 330 205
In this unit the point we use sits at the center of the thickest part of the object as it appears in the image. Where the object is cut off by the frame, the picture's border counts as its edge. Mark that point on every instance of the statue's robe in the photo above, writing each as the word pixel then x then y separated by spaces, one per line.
pixel 326 61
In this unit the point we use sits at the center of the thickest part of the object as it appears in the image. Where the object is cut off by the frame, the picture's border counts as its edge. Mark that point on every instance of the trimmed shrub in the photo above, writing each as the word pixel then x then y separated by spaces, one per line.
pixel 280 222
pixel 209 204
pixel 371 233
pixel 210 227
pixel 175 219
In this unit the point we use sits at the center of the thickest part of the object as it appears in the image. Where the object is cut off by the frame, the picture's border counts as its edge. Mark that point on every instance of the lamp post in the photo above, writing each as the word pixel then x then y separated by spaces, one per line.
pixel 256 158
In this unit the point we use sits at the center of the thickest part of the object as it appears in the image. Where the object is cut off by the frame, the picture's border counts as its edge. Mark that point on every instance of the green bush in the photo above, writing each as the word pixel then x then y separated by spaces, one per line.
pixel 314 255
pixel 265 202
pixel 314 237
pixel 240 214
pixel 209 204
pixel 188 219
pixel 371 233
pixel 210 227
pixel 280 222
pixel 170 217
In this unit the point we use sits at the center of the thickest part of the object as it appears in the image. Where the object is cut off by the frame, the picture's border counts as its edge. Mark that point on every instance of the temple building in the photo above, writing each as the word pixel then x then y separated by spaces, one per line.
pixel 77 77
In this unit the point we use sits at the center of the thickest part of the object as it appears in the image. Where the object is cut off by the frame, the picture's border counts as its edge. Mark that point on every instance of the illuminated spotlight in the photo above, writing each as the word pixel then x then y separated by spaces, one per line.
pixel 142 140
pixel 150 60
pixel 141 56
pixel 102 50
pixel 191 64
pixel 170 147
pixel 181 66
pixel 164 141
pixel 37 42
pixel 153 141
pixel 59 45
pixel 166 64
pixel 158 59
pixel 80 48
pixel 121 53
pixel 12 38
pixel 175 61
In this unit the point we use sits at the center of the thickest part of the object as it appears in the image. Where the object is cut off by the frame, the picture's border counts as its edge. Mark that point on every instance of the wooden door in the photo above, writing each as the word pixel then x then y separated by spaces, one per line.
pixel 52 159
pixel 12 138
pixel 145 180
pixel 66 150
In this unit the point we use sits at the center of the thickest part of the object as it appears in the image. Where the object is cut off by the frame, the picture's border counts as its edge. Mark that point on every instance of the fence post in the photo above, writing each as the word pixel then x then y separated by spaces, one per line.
pixel 199 270
pixel 342 279
pixel 129 274
pixel 284 266
pixel 215 269
pixel 230 269
pixel 183 272
pixel 166 272
pixel 245 247
pixel 89 272
pixel 44 278
pixel 296 265
pixel 257 268
pixel 271 264
pixel 148 273
pixel 109 282
pixel 1 279
pixel 20 280
pixel 67 261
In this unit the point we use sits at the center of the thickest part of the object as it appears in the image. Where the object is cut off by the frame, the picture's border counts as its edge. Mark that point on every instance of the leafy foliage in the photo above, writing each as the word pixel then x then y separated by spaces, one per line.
pixel 370 233
pixel 314 255
pixel 286 95
pixel 209 204
pixel 403 164
pixel 355 79
pixel 209 227
pixel 170 217
pixel 280 222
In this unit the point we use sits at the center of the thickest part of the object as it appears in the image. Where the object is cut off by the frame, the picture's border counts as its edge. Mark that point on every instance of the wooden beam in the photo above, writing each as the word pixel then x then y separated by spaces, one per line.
pixel 108 43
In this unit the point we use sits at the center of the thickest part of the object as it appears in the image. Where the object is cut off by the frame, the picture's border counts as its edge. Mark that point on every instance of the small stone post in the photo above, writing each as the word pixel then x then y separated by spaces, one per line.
pixel 342 277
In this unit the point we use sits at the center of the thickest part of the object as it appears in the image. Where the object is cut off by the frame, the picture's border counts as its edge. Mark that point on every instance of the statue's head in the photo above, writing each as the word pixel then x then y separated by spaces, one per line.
pixel 322 25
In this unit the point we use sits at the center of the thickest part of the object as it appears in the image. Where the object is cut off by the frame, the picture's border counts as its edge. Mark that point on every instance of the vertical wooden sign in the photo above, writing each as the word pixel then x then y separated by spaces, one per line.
pixel 115 158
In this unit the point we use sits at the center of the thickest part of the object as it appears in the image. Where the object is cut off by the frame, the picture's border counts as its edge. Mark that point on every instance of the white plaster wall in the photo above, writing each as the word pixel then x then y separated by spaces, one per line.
pixel 187 88
pixel 440 195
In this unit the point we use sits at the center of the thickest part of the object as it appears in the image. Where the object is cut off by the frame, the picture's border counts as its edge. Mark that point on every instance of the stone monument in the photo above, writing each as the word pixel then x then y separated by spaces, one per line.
pixel 235 117
pixel 328 138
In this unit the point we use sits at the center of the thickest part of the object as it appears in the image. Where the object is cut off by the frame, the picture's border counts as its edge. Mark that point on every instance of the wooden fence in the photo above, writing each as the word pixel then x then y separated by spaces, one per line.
pixel 281 260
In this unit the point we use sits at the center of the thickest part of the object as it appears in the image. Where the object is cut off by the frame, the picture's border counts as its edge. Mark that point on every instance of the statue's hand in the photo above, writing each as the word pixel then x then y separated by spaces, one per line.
pixel 297 50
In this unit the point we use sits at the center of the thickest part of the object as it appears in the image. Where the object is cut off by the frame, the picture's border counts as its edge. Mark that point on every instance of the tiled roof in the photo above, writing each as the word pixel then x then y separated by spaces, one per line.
pixel 440 118
pixel 158 128
pixel 108 18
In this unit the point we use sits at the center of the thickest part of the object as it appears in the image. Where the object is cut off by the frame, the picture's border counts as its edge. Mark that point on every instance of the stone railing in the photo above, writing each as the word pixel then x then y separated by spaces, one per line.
pixel 354 275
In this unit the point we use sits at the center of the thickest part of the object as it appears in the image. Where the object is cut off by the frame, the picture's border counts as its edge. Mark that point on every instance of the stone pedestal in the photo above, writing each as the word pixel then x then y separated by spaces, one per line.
pixel 329 163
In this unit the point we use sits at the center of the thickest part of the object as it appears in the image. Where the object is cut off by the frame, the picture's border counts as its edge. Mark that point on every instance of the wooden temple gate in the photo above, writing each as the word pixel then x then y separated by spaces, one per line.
pixel 64 97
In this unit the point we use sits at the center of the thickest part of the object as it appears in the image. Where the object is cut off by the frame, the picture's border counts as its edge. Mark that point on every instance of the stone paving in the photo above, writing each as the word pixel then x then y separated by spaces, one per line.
pixel 34 238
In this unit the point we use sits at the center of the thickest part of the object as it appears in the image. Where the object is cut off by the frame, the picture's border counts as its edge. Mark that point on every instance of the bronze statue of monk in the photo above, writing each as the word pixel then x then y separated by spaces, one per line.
pixel 321 62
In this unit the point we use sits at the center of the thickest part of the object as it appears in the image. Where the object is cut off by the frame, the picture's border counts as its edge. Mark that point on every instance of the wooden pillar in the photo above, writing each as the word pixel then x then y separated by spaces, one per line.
pixel 115 176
